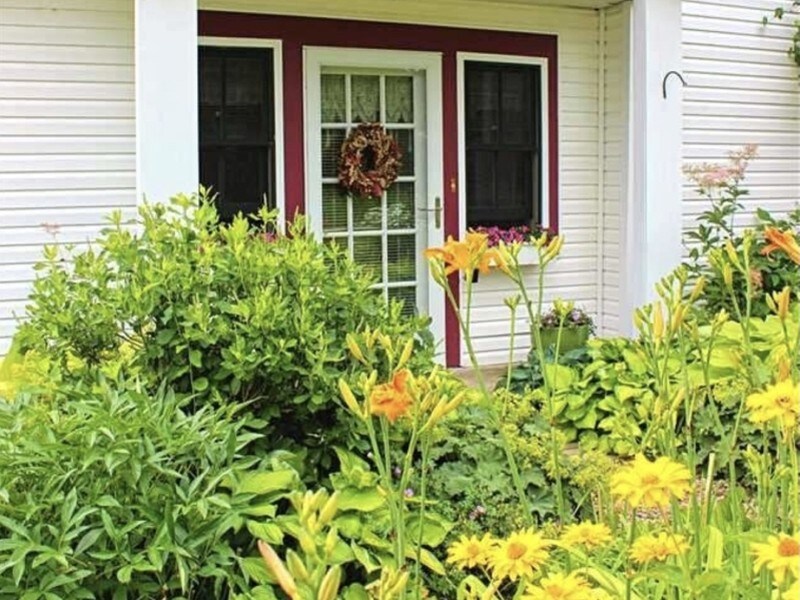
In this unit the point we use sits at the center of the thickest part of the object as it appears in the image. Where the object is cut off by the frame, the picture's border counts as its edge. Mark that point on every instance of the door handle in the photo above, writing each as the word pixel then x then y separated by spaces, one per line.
pixel 436 210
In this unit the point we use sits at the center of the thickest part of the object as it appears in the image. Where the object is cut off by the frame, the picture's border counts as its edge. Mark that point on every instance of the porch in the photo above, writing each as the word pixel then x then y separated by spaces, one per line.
pixel 614 197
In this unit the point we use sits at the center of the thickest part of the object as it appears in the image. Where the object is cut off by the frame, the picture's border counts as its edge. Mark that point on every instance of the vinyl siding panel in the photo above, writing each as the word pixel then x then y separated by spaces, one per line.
pixel 743 88
pixel 67 131
pixel 575 275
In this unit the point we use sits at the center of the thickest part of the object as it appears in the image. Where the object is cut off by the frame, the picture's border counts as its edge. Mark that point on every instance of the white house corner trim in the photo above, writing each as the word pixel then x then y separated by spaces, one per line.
pixel 654 217
pixel 167 161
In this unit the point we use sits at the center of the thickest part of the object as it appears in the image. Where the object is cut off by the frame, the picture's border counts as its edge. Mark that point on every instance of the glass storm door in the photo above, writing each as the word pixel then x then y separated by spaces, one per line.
pixel 387 235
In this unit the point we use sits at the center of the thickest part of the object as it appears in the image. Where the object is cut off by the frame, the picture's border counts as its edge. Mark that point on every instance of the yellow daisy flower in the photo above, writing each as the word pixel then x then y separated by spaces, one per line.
pixel 470 552
pixel 648 548
pixel 781 553
pixel 560 587
pixel 588 534
pixel 519 554
pixel 780 401
pixel 793 593
pixel 651 484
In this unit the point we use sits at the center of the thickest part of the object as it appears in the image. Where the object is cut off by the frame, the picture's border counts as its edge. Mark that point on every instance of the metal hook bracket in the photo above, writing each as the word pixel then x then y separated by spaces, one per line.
pixel 666 78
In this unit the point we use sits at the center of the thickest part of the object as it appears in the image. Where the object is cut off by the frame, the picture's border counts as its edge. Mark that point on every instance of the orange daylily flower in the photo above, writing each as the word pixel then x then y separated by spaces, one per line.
pixel 392 400
pixel 454 254
pixel 466 255
pixel 782 241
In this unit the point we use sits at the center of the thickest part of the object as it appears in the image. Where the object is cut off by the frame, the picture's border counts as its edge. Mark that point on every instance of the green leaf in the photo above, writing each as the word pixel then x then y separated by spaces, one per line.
pixel 269 532
pixel 200 384
pixel 87 541
pixel 124 574
pixel 363 500
pixel 266 483
pixel 716 543
pixel 255 569
pixel 428 559
pixel 363 556
pixel 434 529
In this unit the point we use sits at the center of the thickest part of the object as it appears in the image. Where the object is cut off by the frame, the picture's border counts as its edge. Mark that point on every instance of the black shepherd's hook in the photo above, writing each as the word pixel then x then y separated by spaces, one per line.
pixel 666 77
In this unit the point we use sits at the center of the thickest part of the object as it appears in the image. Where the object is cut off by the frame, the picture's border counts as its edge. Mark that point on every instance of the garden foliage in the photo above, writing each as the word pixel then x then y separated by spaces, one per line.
pixel 230 313
pixel 201 410
pixel 108 491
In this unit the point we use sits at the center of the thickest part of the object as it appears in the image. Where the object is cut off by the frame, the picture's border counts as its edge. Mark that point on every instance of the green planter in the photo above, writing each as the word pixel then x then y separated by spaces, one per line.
pixel 572 338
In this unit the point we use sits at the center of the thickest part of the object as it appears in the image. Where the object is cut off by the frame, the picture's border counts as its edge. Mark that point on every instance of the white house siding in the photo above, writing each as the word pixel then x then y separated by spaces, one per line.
pixel 743 88
pixel 67 135
pixel 575 275
pixel 615 86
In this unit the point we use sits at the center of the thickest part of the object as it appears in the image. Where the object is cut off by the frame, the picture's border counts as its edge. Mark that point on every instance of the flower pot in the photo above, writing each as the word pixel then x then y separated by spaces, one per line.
pixel 572 338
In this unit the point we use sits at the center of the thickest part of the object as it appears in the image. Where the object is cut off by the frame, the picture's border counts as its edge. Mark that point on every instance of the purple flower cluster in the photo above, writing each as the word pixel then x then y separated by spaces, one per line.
pixel 508 235
pixel 576 318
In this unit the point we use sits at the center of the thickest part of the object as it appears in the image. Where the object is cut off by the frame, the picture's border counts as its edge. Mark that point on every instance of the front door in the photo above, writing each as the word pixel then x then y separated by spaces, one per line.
pixel 387 235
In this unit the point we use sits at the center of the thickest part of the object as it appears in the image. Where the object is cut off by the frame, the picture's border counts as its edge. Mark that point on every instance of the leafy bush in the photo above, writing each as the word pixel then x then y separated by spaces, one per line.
pixel 109 493
pixel 228 313
pixel 604 393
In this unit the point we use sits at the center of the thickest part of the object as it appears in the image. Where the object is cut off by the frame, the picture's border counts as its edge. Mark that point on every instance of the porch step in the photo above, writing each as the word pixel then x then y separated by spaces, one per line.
pixel 491 375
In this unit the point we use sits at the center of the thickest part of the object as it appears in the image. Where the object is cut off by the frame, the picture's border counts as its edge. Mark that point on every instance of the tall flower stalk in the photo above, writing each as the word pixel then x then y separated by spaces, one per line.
pixel 420 403
pixel 471 256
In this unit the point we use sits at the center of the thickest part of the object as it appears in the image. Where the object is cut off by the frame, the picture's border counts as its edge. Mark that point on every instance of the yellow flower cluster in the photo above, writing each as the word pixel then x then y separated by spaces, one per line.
pixel 651 547
pixel 779 402
pixel 587 534
pixel 649 484
pixel 561 587
pixel 514 557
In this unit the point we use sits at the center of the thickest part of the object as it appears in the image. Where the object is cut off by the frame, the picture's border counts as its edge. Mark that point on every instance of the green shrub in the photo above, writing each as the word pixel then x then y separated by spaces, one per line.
pixel 228 313
pixel 115 493
pixel 722 187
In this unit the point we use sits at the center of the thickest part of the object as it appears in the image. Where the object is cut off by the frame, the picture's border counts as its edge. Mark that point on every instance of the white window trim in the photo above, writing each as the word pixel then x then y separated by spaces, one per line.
pixel 463 57
pixel 277 73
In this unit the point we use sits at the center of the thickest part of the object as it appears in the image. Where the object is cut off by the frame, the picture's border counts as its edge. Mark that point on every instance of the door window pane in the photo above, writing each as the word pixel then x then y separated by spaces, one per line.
pixel 333 105
pixel 402 257
pixel 400 205
pixel 368 252
pixel 366 98
pixel 334 208
pixel 399 100
pixel 332 140
pixel 406 295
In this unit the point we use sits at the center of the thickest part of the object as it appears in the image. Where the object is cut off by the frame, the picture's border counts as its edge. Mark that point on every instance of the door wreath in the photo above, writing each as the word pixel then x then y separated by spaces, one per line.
pixel 369 161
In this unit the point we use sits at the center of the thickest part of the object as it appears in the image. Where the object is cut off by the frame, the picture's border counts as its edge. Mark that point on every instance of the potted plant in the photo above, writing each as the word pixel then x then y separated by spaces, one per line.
pixel 574 323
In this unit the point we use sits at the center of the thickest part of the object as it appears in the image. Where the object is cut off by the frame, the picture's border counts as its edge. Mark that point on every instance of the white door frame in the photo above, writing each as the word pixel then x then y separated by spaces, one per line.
pixel 317 57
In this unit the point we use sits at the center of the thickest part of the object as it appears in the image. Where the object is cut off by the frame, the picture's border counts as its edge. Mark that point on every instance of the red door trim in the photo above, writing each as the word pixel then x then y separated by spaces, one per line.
pixel 296 32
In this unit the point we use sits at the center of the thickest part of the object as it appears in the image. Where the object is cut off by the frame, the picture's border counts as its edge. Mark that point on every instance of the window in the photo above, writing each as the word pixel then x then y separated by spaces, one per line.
pixel 237 127
pixel 503 139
